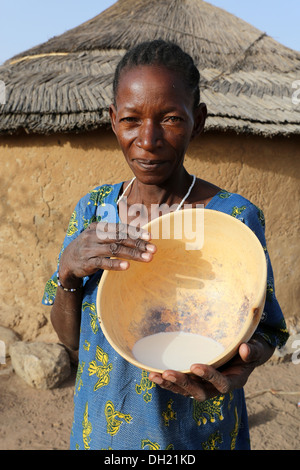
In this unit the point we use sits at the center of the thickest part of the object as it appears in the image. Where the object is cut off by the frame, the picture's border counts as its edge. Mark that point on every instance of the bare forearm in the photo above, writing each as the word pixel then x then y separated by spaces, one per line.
pixel 66 316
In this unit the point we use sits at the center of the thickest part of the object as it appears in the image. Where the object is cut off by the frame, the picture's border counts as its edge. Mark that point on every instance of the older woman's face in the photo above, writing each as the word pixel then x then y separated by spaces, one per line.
pixel 154 121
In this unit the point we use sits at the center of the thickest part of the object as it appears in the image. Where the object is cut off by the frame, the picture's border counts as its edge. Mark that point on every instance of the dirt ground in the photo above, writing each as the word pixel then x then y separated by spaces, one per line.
pixel 32 419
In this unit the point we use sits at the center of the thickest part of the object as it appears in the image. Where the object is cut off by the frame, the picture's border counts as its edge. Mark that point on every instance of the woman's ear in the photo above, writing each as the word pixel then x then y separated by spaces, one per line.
pixel 112 114
pixel 200 115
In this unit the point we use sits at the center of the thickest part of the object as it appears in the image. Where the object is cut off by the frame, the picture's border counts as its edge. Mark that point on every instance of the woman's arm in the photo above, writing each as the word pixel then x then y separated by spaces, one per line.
pixel 66 312
pixel 96 248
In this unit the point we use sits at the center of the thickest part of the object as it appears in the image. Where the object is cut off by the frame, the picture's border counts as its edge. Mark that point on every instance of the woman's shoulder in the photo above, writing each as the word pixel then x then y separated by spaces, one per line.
pixel 237 206
pixel 235 198
pixel 225 195
pixel 100 195
pixel 91 205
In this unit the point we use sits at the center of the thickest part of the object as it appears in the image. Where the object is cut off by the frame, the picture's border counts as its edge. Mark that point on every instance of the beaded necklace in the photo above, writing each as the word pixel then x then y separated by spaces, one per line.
pixel 180 205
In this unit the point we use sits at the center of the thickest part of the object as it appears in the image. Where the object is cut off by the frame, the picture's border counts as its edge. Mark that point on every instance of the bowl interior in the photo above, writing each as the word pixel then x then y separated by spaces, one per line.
pixel 208 280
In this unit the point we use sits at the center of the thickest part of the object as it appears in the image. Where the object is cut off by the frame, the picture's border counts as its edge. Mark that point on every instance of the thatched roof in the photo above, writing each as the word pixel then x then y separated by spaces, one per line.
pixel 65 84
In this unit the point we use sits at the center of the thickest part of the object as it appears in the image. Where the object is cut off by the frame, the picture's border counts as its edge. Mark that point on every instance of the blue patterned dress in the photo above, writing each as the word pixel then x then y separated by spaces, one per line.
pixel 116 407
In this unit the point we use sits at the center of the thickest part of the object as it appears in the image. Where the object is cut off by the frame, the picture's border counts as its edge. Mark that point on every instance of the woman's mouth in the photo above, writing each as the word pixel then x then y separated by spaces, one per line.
pixel 150 165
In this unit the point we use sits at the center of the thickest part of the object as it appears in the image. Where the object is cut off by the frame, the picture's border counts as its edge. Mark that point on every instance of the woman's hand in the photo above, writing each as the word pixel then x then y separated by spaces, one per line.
pixel 103 246
pixel 205 382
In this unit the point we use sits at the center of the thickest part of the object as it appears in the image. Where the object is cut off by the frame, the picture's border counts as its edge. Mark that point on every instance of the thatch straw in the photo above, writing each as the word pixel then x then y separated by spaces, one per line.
pixel 65 84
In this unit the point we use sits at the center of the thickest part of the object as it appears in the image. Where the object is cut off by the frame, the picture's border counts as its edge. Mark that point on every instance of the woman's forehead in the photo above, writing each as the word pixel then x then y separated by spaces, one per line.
pixel 143 72
pixel 151 80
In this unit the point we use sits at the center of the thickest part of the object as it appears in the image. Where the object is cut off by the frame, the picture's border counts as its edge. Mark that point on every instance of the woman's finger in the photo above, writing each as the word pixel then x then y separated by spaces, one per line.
pixel 213 376
pixel 117 237
pixel 121 231
pixel 185 384
pixel 205 382
pixel 109 238
pixel 129 250
pixel 109 264
pixel 169 384
pixel 252 351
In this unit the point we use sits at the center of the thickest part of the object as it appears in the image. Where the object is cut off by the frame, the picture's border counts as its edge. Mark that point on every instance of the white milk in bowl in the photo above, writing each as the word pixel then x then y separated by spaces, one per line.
pixel 176 350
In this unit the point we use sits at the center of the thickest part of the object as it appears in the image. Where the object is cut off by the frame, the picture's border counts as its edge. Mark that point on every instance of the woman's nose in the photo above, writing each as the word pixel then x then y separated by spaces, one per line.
pixel 149 135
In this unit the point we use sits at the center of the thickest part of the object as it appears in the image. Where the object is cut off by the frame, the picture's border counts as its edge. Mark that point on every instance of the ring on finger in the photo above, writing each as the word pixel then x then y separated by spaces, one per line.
pixel 114 248
pixel 139 243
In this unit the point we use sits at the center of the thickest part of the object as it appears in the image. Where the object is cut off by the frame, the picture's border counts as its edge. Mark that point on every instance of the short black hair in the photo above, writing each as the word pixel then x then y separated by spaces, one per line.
pixel 167 54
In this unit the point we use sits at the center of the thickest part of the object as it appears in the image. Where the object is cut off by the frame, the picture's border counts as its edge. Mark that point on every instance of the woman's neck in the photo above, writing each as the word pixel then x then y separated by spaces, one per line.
pixel 171 192
pixel 144 202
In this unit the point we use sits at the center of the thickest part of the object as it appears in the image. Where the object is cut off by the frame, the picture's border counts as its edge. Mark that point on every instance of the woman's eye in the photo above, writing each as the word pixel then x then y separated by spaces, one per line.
pixel 173 119
pixel 128 119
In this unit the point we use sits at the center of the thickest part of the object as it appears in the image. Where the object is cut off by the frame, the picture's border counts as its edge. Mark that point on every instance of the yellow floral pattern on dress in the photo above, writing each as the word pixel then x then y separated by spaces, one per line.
pixel 93 316
pixel 97 196
pixel 153 445
pixel 208 410
pixel 237 211
pixel 150 445
pixel 270 289
pixel 73 225
pixel 223 194
pixel 280 332
pixel 231 396
pixel 50 289
pixel 111 415
pixel 86 429
pixel 102 371
pixel 78 381
pixel 169 414
pixel 144 386
pixel 87 222
pixel 235 430
pixel 261 216
pixel 213 442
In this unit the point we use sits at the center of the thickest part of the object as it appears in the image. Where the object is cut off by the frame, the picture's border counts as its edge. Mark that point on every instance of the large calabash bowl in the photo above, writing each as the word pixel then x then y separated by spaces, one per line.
pixel 208 277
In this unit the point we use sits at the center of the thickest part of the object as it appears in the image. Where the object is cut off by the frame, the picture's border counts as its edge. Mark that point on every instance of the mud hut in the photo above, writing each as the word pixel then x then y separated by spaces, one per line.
pixel 56 142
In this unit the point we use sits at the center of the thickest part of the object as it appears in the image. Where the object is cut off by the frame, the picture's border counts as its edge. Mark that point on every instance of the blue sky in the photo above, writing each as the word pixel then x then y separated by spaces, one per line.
pixel 27 23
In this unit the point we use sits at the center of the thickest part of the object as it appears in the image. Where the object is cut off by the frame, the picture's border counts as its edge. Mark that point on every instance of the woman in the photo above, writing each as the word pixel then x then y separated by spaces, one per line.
pixel 155 115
